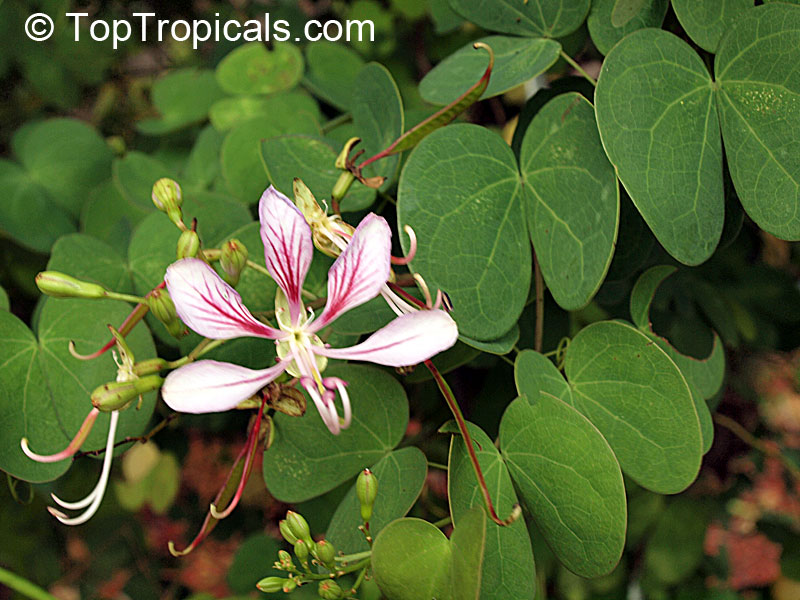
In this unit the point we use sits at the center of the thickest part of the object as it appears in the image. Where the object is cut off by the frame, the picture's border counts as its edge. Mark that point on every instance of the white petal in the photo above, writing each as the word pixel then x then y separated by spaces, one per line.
pixel 210 306
pixel 211 386
pixel 360 271
pixel 288 248
pixel 407 340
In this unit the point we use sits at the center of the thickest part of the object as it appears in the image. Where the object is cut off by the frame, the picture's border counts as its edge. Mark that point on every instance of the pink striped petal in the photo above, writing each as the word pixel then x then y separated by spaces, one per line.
pixel 211 386
pixel 288 248
pixel 360 271
pixel 210 306
pixel 406 341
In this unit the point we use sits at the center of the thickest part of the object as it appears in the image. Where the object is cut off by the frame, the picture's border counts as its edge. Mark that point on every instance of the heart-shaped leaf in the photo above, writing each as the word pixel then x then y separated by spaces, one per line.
pixel 707 21
pixel 252 69
pixel 606 28
pixel 182 97
pixel 537 18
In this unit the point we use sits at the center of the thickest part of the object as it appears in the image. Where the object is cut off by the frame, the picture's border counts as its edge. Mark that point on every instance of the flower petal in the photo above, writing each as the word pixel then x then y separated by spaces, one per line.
pixel 212 386
pixel 210 306
pixel 360 271
pixel 407 340
pixel 287 245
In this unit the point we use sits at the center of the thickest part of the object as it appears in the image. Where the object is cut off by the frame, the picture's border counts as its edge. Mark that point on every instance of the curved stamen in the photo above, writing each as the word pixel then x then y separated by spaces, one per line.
pixel 425 291
pixel 412 251
pixel 399 306
pixel 71 449
pixel 95 497
pixel 341 386
pixel 322 407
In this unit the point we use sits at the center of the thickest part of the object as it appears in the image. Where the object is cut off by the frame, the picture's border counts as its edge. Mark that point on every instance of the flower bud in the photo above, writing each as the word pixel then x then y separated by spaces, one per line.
pixel 305 201
pixel 342 185
pixel 271 584
pixel 366 491
pixel 325 553
pixel 59 285
pixel 330 590
pixel 163 309
pixel 287 534
pixel 188 244
pixel 233 260
pixel 116 395
pixel 167 197
pixel 298 526
pixel 285 560
pixel 301 551
pixel 289 585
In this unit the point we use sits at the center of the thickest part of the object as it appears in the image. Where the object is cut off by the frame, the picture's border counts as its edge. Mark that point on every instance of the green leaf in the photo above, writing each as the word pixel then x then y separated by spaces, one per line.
pixel 468 546
pixel 502 345
pixel 332 72
pixel 639 400
pixel 573 234
pixel 606 32
pixel 516 61
pixel 411 560
pixel 643 292
pixel 401 475
pixel 28 213
pixel 534 373
pixel 252 69
pixel 675 549
pixel 659 127
pixel 45 391
pixel 109 216
pixel 758 99
pixel 460 191
pixel 241 158
pixel 568 479
pixel 4 304
pixel 182 97
pixel 508 567
pixel 312 160
pixel 65 156
pixel 134 176
pixel 253 560
pixel 281 109
pixel 202 166
pixel 306 460
pixel 536 18
pixel 707 21
pixel 377 116
pixel 90 259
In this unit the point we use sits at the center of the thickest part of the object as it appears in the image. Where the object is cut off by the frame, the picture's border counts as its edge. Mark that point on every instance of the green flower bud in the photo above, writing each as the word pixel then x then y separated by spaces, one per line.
pixel 116 395
pixel 289 585
pixel 59 285
pixel 287 534
pixel 233 260
pixel 325 553
pixel 167 197
pixel 330 590
pixel 301 551
pixel 285 560
pixel 366 491
pixel 163 309
pixel 271 584
pixel 188 244
pixel 299 527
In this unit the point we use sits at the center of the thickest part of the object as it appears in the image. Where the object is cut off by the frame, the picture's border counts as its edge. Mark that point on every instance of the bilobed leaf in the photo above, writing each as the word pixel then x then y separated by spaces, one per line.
pixel 573 234
pixel 467 545
pixel 332 71
pixel 569 480
pixel 401 475
pixel 90 259
pixel 516 61
pixel 377 116
pixel 508 568
pixel 605 22
pixel 460 192
pixel 66 157
pixel 534 373
pixel 45 391
pixel 281 109
pixel 252 69
pixel 305 460
pixel 182 97
pixel 707 21
pixel 202 165
pixel 536 18
pixel 658 124
pixel 312 160
pixel 640 401
pixel 758 99
pixel 134 176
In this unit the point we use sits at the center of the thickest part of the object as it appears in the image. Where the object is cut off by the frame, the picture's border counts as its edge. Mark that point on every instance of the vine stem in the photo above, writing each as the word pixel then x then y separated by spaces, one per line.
pixel 539 282
pixel 462 428
pixel 578 68
pixel 23 586
pixel 752 441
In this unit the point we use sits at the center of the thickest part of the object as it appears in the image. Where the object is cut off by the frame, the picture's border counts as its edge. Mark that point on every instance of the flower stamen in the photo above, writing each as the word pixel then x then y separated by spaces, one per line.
pixel 73 446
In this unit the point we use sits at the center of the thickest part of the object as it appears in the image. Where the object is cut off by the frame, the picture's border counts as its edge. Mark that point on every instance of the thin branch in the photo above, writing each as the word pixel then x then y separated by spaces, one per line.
pixel 578 68
pixel 23 586
pixel 130 439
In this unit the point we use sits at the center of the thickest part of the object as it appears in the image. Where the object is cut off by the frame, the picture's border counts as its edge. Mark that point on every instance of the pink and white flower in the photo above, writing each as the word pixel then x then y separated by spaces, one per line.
pixel 215 310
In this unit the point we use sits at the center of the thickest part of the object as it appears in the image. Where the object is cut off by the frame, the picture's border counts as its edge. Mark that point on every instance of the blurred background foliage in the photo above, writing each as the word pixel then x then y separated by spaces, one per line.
pixel 86 129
